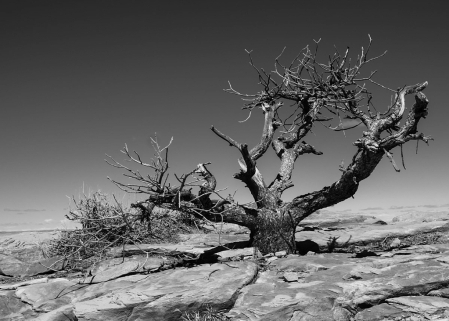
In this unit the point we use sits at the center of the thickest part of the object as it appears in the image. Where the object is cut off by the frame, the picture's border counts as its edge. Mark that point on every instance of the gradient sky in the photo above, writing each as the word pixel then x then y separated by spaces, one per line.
pixel 82 78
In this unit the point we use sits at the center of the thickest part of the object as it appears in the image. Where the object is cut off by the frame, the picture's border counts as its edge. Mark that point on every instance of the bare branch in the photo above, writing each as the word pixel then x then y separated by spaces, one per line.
pixel 380 85
pixel 249 115
pixel 249 166
pixel 226 138
pixel 409 129
pixel 270 126
pixel 390 157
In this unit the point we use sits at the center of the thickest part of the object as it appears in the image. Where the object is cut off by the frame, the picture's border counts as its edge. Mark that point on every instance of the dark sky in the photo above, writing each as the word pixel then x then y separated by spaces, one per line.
pixel 82 78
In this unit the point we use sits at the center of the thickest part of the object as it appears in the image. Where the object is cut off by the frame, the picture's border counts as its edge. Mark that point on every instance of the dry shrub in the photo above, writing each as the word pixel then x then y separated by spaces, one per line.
pixel 105 224
pixel 209 315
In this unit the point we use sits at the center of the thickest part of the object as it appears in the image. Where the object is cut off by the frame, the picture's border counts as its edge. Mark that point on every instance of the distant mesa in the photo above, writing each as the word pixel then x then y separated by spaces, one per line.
pixel 28 210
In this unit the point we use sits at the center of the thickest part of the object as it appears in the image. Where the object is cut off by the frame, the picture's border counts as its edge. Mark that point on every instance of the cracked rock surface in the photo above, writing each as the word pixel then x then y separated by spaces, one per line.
pixel 411 283
pixel 401 282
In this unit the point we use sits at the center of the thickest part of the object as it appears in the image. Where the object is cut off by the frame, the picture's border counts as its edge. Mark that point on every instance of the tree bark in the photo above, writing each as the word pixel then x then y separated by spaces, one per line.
pixel 363 164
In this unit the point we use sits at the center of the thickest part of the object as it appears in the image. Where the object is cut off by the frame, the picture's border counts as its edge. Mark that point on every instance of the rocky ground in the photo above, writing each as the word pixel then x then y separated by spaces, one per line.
pixel 394 269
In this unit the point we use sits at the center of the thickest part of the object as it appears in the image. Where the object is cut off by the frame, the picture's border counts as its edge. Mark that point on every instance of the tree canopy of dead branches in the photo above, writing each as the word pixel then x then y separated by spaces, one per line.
pixel 294 97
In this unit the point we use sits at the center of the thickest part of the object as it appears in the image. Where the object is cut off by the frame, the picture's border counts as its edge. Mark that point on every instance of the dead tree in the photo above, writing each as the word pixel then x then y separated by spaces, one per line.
pixel 316 93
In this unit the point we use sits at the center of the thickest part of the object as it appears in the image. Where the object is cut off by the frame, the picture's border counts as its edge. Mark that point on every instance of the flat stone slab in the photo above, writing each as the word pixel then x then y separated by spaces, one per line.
pixel 195 244
pixel 12 308
pixel 145 263
pixel 114 268
pixel 165 295
pixel 422 305
pixel 17 285
pixel 11 266
pixel 62 313
pixel 162 296
pixel 237 254
pixel 41 292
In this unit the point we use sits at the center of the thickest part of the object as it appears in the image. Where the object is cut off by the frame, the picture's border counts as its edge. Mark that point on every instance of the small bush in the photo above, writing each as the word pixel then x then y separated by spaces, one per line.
pixel 209 315
pixel 106 224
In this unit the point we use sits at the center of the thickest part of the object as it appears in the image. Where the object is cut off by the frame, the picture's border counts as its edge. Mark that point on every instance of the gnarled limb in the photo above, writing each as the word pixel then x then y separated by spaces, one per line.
pixel 230 213
pixel 370 152
pixel 249 174
pixel 269 128
pixel 409 130
pixel 288 147
pixel 396 112
pixel 248 164
pixel 207 187
pixel 288 157
pixel 360 168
